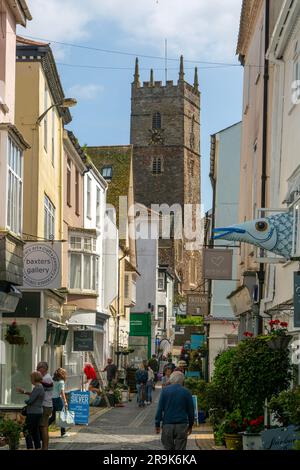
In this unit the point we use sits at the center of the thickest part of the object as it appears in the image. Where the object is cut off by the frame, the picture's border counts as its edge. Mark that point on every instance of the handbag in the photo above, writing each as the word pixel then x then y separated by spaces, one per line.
pixel 65 418
pixel 24 411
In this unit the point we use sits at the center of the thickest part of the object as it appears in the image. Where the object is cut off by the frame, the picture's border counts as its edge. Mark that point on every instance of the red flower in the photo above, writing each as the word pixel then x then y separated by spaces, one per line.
pixel 284 324
pixel 276 322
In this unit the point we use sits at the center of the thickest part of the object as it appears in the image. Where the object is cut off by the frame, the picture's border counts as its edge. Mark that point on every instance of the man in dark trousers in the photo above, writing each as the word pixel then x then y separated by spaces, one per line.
pixel 176 412
pixel 111 373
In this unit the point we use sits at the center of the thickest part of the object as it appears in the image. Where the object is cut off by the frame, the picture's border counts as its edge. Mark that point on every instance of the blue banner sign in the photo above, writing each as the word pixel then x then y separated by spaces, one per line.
pixel 80 404
pixel 195 408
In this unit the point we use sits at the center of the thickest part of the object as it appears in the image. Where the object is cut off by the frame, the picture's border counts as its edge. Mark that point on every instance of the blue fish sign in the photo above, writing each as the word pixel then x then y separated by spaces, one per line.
pixel 274 233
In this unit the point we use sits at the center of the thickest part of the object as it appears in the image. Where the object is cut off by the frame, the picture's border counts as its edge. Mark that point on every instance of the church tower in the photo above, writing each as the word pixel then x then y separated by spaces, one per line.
pixel 165 134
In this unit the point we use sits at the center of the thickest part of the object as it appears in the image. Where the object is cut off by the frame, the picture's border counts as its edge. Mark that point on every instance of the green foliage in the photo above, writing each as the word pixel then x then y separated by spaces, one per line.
pixel 198 387
pixel 286 407
pixel 11 430
pixel 246 375
pixel 233 422
pixel 189 320
pixel 195 363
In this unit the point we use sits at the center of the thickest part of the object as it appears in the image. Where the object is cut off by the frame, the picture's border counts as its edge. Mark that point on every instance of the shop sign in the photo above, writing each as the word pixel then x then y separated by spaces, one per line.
pixel 83 340
pixel 42 265
pixel 217 264
pixel 80 404
pixel 197 304
pixel 195 403
pixel 296 300
pixel 280 438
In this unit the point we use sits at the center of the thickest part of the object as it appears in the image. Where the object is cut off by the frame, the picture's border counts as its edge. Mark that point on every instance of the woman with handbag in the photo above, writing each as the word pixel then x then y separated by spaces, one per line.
pixel 59 399
pixel 33 411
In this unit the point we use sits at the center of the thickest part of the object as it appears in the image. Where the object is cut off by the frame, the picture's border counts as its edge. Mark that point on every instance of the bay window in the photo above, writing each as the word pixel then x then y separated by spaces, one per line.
pixel 84 263
pixel 49 219
pixel 15 187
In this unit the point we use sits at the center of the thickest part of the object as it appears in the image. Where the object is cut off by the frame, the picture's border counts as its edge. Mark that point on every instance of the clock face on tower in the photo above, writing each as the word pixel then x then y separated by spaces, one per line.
pixel 156 137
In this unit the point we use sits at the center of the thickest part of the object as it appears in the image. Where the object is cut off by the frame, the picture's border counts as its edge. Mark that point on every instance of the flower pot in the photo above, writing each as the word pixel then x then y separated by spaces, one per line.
pixel 279 342
pixel 252 441
pixel 3 441
pixel 15 339
pixel 233 441
pixel 125 396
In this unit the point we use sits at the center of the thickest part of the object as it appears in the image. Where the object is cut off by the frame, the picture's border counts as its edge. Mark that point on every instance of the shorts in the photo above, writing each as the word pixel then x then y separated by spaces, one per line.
pixel 47 412
pixel 94 383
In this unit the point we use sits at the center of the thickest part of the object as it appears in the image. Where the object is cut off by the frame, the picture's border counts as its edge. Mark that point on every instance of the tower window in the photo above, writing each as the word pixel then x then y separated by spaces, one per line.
pixel 106 172
pixel 156 166
pixel 156 121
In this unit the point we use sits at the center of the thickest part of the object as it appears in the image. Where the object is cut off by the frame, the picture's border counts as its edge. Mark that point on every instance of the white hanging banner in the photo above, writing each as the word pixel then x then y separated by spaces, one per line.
pixel 42 265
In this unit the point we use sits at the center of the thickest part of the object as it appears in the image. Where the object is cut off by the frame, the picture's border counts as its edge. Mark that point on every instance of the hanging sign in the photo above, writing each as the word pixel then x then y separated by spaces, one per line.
pixel 217 264
pixel 42 265
pixel 197 304
pixel 83 340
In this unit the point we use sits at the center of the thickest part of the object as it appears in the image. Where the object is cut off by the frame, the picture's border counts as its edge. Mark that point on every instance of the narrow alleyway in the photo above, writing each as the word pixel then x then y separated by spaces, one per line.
pixel 126 428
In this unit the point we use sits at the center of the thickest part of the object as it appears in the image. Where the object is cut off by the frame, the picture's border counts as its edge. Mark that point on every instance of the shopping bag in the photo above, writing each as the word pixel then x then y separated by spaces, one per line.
pixel 65 418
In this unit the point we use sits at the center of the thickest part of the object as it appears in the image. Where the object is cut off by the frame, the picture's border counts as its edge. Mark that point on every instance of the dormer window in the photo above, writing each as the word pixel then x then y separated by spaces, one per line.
pixel 156 121
pixel 106 172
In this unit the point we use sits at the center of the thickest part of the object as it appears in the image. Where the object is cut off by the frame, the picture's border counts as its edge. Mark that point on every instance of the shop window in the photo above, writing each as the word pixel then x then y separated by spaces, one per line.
pixel 15 367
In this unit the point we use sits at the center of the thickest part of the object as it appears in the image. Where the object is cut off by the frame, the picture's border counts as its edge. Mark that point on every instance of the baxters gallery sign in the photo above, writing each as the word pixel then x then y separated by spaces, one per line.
pixel 42 265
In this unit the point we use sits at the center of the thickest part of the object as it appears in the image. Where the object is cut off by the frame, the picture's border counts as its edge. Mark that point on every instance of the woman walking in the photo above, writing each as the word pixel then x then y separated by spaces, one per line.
pixel 141 377
pixel 59 399
pixel 34 411
pixel 149 386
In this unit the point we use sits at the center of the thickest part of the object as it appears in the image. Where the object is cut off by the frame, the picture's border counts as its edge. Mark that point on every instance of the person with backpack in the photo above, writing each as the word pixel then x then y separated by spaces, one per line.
pixel 141 377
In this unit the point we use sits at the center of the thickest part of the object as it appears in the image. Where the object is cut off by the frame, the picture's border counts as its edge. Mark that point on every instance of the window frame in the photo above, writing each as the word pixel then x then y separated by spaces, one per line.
pixel 161 276
pixel 98 207
pixel 156 120
pixel 14 206
pixel 162 317
pixel 89 197
pixel 49 218
pixel 84 252
pixel 157 165
pixel 69 182
pixel 109 176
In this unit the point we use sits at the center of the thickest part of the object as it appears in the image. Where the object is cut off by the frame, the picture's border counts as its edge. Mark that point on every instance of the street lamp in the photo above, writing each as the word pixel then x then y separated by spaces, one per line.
pixel 66 103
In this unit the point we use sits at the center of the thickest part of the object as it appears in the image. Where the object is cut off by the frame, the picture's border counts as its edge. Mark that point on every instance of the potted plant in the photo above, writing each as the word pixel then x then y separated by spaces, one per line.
pixel 252 433
pixel 10 430
pixel 278 337
pixel 233 425
pixel 286 407
pixel 13 335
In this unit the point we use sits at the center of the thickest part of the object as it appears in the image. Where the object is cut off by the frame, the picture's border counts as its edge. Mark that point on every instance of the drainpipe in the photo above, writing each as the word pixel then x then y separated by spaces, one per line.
pixel 261 272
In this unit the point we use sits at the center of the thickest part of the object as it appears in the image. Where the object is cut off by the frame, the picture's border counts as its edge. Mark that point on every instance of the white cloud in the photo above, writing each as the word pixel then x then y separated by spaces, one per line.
pixel 200 29
pixel 85 92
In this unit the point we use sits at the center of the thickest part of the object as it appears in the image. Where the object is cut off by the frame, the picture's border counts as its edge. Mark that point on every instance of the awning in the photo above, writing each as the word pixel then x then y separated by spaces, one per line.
pixel 88 318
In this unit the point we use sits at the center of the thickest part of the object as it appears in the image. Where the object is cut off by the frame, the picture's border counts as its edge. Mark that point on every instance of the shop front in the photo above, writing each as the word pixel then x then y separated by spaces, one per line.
pixel 140 337
pixel 42 333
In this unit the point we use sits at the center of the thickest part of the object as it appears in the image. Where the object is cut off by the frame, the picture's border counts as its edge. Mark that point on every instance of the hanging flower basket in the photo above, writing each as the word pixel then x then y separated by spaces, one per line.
pixel 13 335
pixel 279 342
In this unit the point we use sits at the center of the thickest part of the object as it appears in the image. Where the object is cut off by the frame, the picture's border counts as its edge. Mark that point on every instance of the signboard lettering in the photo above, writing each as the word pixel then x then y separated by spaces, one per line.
pixel 83 340
pixel 197 304
pixel 79 403
pixel 280 438
pixel 42 265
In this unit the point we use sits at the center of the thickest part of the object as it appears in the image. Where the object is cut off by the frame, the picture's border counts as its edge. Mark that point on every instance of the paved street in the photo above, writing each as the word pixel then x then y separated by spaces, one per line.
pixel 126 428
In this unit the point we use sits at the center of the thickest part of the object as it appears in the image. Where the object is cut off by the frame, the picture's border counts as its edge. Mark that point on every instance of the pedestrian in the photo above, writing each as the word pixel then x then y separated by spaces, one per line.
pixel 91 379
pixel 34 411
pixel 166 378
pixel 149 386
pixel 111 373
pixel 176 412
pixel 153 363
pixel 141 377
pixel 59 400
pixel 47 383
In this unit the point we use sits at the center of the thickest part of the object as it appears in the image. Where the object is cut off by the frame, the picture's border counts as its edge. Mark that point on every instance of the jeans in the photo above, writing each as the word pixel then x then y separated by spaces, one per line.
pixel 149 388
pixel 174 436
pixel 58 405
pixel 140 394
pixel 32 431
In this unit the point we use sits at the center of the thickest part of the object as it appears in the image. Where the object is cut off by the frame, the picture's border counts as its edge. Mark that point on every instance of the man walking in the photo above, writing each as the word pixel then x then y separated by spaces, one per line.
pixel 153 363
pixel 47 383
pixel 111 373
pixel 176 412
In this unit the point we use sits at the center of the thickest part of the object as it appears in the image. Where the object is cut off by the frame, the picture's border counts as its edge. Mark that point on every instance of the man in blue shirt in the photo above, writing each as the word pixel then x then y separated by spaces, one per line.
pixel 176 412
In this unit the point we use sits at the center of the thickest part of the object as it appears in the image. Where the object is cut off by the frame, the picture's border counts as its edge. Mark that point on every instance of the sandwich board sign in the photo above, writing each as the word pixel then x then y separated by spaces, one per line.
pixel 80 404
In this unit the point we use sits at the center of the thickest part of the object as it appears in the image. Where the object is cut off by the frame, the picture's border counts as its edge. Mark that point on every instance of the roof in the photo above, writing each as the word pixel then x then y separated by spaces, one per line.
pixel 249 12
pixel 120 159
pixel 20 10
pixel 32 51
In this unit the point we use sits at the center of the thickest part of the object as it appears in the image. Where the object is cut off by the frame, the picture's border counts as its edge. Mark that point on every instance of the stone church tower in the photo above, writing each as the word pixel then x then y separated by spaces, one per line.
pixel 165 134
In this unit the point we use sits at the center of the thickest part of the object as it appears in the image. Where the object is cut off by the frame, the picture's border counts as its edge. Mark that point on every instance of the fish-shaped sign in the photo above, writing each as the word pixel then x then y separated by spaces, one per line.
pixel 273 233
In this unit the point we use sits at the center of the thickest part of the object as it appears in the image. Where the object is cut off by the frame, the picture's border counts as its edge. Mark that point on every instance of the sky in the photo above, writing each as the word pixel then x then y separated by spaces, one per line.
pixel 95 43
